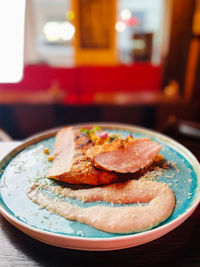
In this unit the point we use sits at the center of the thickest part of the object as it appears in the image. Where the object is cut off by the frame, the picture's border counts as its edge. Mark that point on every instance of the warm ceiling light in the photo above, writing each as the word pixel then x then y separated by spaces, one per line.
pixel 69 15
pixel 67 31
pixel 51 31
pixel 55 31
pixel 126 14
pixel 120 26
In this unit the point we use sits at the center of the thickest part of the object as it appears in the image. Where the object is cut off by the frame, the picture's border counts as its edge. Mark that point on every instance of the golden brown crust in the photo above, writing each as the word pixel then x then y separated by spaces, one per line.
pixel 83 172
pixel 80 170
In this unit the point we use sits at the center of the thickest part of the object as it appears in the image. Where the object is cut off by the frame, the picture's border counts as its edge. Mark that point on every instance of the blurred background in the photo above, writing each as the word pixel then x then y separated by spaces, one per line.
pixel 71 61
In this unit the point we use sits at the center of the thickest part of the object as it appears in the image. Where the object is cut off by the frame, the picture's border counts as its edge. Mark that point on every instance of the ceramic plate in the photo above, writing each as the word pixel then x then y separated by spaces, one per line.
pixel 27 162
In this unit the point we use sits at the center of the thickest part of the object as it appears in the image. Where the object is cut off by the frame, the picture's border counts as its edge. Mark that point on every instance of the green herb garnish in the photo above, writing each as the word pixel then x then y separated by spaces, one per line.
pixel 96 128
pixel 85 131
pixel 113 137
pixel 93 130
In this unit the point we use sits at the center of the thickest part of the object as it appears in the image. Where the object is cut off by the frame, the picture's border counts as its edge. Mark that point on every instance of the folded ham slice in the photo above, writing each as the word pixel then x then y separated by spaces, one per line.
pixel 124 156
pixel 70 162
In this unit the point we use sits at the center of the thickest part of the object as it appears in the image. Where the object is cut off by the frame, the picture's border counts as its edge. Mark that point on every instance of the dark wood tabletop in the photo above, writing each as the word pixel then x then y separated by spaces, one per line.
pixel 180 247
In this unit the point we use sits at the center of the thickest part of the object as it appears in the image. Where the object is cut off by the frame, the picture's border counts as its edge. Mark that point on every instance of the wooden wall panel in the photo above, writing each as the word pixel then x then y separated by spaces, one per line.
pixel 181 34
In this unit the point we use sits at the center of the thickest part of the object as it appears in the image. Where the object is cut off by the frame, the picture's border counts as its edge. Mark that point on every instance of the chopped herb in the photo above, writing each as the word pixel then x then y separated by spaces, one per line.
pixel 97 128
pixel 98 136
pixel 113 137
pixel 85 131
pixel 93 130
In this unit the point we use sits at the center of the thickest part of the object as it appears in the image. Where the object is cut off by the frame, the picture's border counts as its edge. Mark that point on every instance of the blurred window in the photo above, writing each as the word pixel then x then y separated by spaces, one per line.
pixel 138 31
pixel 52 32
pixel 12 14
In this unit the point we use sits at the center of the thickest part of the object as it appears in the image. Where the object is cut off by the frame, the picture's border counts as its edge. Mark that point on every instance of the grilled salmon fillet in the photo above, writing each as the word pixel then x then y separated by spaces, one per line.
pixel 124 155
pixel 71 164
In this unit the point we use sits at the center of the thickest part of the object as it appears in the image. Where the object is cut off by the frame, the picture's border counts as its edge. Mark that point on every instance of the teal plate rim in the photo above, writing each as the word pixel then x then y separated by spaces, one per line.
pixel 144 237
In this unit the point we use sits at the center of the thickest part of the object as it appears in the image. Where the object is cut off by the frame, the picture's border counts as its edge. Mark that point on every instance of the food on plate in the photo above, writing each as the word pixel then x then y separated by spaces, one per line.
pixel 70 162
pixel 95 157
pixel 129 155
pixel 123 219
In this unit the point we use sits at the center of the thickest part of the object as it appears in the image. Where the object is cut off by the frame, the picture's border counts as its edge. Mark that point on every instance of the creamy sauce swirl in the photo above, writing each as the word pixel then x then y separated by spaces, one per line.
pixel 124 219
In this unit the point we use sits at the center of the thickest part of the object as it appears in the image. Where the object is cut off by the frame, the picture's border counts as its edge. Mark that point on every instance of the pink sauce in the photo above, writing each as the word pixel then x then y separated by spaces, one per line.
pixel 124 219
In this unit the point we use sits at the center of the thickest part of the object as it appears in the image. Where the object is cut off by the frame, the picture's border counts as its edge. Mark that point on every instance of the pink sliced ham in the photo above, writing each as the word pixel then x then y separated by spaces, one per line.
pixel 124 156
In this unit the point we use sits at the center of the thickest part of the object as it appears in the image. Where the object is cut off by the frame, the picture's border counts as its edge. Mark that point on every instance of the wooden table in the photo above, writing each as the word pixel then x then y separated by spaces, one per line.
pixel 180 247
